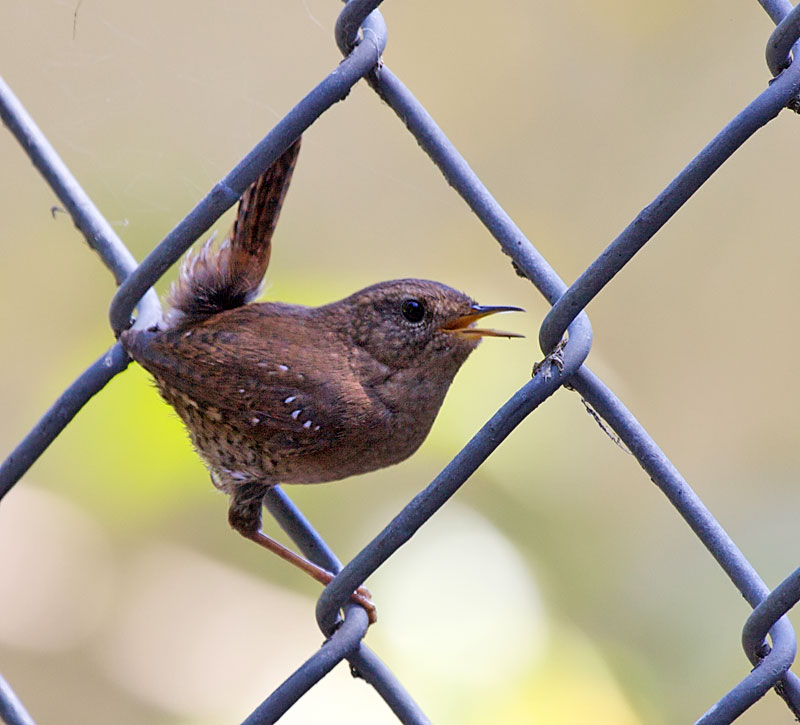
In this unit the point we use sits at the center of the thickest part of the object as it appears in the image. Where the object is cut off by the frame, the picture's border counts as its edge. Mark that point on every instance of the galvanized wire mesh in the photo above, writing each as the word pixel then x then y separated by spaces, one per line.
pixel 361 36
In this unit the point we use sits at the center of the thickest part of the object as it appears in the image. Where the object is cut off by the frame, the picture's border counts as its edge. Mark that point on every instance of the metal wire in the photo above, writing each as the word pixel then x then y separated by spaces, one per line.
pixel 226 193
pixel 12 711
pixel 92 224
pixel 565 337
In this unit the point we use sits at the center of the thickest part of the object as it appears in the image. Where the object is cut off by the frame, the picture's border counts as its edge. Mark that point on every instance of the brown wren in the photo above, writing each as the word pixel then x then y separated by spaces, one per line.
pixel 276 393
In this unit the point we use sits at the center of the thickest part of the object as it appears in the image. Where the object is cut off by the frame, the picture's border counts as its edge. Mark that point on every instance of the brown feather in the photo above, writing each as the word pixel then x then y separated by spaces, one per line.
pixel 229 275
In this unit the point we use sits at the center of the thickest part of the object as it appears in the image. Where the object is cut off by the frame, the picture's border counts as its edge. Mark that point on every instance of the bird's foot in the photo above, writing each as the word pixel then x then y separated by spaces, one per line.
pixel 362 597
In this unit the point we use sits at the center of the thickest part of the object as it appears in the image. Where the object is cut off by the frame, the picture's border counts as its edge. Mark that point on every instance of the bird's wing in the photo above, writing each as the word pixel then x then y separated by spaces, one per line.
pixel 272 388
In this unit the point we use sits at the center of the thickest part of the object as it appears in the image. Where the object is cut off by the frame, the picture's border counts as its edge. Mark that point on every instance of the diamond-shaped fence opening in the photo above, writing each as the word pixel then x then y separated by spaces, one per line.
pixel 565 339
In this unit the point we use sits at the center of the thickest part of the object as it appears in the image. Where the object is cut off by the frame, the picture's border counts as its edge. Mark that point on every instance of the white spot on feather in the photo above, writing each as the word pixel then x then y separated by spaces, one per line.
pixel 235 475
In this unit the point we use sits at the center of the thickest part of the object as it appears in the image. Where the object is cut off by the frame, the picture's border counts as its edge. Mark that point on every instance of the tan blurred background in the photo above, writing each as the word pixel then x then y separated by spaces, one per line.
pixel 559 586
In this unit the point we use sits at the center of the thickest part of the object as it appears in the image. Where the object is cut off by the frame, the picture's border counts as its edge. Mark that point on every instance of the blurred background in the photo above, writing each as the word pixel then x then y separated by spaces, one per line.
pixel 559 586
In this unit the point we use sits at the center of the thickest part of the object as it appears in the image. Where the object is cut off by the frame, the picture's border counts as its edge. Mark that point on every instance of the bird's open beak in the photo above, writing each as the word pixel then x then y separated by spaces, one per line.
pixel 463 325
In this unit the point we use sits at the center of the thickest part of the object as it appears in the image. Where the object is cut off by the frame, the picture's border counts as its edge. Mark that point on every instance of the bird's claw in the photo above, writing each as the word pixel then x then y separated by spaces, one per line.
pixel 362 597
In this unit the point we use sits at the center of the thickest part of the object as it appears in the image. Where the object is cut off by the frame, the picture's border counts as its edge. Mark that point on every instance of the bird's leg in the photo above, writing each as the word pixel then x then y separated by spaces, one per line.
pixel 244 515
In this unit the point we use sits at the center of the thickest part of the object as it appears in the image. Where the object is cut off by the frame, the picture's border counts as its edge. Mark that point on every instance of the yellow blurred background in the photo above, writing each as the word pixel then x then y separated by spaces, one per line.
pixel 559 586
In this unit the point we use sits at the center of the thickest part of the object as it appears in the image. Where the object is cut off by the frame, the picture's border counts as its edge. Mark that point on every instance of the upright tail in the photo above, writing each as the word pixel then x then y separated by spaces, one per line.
pixel 221 277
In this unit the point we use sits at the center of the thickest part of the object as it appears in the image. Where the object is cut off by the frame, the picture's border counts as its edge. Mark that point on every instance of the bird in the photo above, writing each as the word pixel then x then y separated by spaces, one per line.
pixel 274 393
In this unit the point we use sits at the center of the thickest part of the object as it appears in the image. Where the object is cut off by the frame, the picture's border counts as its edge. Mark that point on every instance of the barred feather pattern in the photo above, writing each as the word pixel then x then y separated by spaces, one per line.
pixel 228 275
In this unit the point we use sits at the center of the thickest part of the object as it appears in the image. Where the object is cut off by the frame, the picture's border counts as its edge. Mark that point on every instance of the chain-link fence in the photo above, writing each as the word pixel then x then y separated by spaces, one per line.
pixel 361 36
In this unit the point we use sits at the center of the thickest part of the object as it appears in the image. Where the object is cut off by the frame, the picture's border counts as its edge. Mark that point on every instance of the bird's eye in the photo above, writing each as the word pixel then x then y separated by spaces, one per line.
pixel 413 310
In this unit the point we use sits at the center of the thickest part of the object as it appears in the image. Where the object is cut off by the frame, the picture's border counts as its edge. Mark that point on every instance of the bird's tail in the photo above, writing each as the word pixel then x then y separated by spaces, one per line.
pixel 223 276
